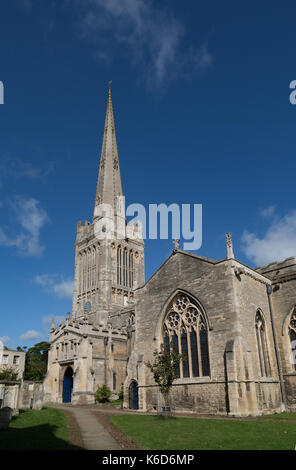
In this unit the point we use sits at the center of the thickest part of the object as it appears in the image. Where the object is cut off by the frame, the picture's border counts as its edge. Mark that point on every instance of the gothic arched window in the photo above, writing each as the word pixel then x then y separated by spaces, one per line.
pixel 131 269
pixel 84 260
pixel 124 267
pixel 94 262
pixel 262 345
pixel 292 336
pixel 185 331
pixel 119 265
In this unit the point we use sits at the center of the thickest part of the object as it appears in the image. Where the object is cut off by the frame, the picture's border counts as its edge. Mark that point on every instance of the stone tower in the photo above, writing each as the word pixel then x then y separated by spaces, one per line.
pixel 109 254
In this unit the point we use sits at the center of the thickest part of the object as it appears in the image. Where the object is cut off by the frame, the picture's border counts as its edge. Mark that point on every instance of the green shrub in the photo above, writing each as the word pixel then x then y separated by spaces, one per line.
pixel 9 374
pixel 102 394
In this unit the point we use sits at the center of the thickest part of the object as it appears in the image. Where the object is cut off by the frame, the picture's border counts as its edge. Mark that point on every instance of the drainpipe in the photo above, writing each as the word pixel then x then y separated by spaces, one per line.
pixel 282 386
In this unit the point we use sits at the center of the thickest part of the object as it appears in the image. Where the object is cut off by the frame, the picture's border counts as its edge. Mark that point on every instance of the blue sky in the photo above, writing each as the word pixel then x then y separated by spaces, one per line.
pixel 201 100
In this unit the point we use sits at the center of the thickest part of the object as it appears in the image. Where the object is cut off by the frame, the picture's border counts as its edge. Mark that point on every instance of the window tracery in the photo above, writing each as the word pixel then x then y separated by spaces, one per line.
pixel 186 332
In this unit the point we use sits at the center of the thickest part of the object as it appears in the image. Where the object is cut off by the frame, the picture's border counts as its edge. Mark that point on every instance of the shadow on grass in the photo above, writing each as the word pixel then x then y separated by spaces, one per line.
pixel 40 437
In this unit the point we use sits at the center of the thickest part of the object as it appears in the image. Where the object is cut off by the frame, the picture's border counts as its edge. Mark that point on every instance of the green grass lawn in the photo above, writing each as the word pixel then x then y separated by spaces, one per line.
pixel 154 433
pixel 35 430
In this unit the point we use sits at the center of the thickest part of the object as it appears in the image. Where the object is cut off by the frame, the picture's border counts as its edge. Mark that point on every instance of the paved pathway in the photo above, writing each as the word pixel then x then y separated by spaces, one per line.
pixel 93 433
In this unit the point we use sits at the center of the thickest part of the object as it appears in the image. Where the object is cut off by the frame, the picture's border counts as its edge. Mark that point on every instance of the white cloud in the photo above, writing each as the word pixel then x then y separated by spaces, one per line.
pixel 151 34
pixel 64 289
pixel 14 167
pixel 30 335
pixel 31 218
pixel 203 58
pixel 268 211
pixel 278 243
pixel 4 340
pixel 53 283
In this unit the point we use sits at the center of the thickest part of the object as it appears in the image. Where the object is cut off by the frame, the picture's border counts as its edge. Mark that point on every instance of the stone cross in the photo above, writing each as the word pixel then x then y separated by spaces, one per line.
pixel 176 244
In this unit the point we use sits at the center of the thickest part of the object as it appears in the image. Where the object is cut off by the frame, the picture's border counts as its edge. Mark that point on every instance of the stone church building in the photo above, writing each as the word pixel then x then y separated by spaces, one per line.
pixel 235 325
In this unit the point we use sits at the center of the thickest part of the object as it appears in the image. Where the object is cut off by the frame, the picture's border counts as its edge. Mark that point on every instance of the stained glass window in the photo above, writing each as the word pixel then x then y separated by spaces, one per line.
pixel 185 331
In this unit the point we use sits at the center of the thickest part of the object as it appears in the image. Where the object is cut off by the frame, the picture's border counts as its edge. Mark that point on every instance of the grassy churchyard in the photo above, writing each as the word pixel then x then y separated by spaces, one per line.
pixel 46 429
pixel 155 433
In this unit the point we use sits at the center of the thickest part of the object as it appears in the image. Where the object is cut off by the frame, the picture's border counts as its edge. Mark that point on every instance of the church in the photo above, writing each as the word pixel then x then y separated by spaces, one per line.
pixel 235 325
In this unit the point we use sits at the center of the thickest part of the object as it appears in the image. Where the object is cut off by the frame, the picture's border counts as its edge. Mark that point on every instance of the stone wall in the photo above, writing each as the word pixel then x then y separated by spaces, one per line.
pixel 283 300
pixel 252 297
pixel 31 395
pixel 9 395
pixel 205 397
pixel 230 302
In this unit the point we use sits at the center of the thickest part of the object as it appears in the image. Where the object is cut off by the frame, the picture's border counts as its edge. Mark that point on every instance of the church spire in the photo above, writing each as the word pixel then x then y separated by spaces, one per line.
pixel 109 180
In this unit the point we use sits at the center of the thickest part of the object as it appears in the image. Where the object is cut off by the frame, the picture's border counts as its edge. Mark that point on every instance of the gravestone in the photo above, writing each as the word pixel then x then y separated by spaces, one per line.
pixel 5 417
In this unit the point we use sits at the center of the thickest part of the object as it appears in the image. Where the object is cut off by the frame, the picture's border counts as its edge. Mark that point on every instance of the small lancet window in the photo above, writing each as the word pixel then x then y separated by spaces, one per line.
pixel 262 345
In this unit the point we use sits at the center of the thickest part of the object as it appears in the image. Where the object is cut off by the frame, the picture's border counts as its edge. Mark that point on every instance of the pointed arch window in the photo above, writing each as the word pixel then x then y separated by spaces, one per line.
pixel 131 269
pixel 262 345
pixel 94 267
pixel 80 272
pixel 88 268
pixel 119 265
pixel 292 336
pixel 185 331
pixel 84 271
pixel 125 267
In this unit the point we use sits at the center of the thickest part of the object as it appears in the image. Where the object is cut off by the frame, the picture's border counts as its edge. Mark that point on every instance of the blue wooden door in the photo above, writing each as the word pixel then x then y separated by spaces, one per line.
pixel 67 389
pixel 135 396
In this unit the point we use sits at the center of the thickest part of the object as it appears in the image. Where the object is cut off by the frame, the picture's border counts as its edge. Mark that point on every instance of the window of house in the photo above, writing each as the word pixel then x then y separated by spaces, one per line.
pixel 5 359
pixel 185 331
pixel 16 360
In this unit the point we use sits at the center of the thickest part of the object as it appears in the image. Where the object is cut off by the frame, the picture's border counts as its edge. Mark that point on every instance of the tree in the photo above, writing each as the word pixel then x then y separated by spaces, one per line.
pixel 36 361
pixel 9 374
pixel 164 369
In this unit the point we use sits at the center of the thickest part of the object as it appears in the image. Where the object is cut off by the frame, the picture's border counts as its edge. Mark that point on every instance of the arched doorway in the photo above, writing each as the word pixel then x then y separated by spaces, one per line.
pixel 67 385
pixel 133 396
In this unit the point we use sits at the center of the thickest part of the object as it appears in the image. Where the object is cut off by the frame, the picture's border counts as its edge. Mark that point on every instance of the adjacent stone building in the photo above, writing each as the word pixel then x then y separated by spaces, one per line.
pixel 11 359
pixel 235 325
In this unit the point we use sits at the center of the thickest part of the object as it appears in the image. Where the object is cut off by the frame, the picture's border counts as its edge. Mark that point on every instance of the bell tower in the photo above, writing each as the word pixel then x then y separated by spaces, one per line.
pixel 109 259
